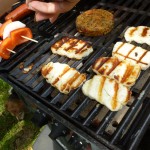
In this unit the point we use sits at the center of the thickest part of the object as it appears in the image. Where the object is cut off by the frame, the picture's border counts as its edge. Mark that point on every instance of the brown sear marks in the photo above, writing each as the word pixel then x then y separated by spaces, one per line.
pixel 144 33
pixel 115 62
pixel 128 72
pixel 111 80
pixel 132 31
pixel 72 42
pixel 67 86
pixel 46 70
pixel 59 43
pixel 101 88
pixel 121 54
pixel 102 71
pixel 130 52
pixel 64 72
pixel 81 50
pixel 139 61
pixel 128 83
pixel 119 47
pixel 100 62
pixel 135 73
pixel 114 101
pixel 83 77
pixel 116 77
pixel 128 97
pixel 127 56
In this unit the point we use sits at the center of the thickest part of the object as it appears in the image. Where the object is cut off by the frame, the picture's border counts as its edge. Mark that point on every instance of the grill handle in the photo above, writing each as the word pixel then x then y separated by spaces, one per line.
pixel 58 129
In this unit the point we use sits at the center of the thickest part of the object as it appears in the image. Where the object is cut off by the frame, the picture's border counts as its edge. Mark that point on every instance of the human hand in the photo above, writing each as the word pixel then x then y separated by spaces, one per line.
pixel 50 10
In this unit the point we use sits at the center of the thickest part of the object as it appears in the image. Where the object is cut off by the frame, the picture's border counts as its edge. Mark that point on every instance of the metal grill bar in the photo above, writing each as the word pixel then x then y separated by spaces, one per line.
pixel 105 122
pixel 136 126
pixel 129 8
pixel 139 133
pixel 92 114
pixel 131 112
pixel 76 112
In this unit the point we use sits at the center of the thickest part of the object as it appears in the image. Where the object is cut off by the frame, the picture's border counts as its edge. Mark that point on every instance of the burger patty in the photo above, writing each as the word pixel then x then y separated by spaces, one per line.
pixel 95 22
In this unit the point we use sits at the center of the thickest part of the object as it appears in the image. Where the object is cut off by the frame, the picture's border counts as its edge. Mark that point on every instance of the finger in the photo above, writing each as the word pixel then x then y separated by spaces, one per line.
pixel 41 16
pixel 53 18
pixel 47 8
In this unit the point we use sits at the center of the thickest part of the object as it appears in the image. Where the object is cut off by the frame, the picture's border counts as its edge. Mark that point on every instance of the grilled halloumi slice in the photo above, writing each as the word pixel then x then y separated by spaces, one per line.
pixel 107 92
pixel 122 71
pixel 140 34
pixel 62 76
pixel 132 53
pixel 72 48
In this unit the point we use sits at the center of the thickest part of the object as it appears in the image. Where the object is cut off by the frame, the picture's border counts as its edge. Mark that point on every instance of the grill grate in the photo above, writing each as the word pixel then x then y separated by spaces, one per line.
pixel 87 117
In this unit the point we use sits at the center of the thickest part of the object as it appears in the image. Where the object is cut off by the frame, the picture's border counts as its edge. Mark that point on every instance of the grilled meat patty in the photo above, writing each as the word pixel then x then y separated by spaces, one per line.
pixel 72 48
pixel 95 22
pixel 132 53
pixel 140 34
pixel 122 71
pixel 107 92
pixel 62 76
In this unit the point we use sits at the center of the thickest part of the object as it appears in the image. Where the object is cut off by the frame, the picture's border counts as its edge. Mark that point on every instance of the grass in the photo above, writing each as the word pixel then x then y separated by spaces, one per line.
pixel 14 135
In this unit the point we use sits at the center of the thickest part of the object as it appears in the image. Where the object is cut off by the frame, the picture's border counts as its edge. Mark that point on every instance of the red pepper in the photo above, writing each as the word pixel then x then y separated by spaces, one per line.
pixel 14 40
pixel 16 35
pixel 4 46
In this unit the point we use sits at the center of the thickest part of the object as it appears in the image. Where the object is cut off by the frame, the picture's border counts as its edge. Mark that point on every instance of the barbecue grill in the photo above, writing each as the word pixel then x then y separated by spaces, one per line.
pixel 115 130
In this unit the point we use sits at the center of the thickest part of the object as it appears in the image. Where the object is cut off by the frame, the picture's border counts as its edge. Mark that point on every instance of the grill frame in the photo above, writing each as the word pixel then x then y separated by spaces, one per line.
pixel 100 44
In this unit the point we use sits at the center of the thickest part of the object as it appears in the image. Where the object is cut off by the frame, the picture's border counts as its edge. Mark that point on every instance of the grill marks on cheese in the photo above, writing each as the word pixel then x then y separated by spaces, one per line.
pixel 122 71
pixel 62 76
pixel 72 48
pixel 133 54
pixel 107 92
pixel 140 34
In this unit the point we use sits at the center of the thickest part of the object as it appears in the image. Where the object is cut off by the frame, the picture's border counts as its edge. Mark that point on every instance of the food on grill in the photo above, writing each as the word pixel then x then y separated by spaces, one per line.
pixel 12 26
pixel 13 34
pixel 72 48
pixel 15 39
pixel 2 27
pixel 5 46
pixel 122 71
pixel 132 53
pixel 95 22
pixel 16 35
pixel 107 92
pixel 18 13
pixel 140 34
pixel 62 77
pixel 27 69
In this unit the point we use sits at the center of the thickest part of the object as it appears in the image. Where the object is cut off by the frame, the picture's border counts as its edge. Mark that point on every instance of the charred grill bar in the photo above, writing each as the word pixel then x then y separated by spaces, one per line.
pixel 77 112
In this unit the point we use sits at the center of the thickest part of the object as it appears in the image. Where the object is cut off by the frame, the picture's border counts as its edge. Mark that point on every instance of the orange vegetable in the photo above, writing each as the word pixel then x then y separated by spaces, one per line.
pixel 14 40
pixel 4 46
pixel 16 35
pixel 2 27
